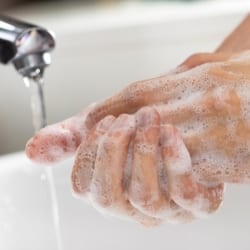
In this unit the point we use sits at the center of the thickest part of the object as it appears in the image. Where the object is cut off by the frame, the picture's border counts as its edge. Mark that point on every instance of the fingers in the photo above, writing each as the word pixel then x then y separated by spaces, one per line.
pixel 147 190
pixel 58 141
pixel 101 169
pixel 144 191
pixel 86 154
pixel 184 189
pixel 108 187
pixel 53 143
pixel 107 184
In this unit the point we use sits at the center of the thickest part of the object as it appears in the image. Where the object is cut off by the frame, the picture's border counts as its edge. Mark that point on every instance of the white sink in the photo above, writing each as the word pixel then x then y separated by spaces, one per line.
pixel 26 217
pixel 103 53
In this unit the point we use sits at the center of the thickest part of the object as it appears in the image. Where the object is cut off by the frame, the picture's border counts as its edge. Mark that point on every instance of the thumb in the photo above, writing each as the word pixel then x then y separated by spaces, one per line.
pixel 58 141
pixel 201 58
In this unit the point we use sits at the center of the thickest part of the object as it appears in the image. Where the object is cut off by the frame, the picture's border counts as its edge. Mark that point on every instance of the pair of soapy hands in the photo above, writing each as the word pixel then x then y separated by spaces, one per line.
pixel 161 149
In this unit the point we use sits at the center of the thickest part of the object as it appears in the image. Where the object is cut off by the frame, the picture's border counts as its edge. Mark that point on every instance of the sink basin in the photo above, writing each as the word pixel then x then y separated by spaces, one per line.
pixel 26 221
pixel 101 54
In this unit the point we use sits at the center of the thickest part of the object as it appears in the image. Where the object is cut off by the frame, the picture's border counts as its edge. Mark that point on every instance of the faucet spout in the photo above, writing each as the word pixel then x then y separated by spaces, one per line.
pixel 26 46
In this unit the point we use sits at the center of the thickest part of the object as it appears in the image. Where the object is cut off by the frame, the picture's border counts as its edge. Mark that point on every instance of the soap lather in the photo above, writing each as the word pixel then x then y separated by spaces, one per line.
pixel 26 46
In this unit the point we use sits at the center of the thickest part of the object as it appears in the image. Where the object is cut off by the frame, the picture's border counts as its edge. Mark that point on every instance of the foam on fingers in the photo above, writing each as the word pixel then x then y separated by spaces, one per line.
pixel 108 193
pixel 58 141
pixel 184 188
pixel 107 183
pixel 84 165
pixel 52 144
pixel 144 190
pixel 147 192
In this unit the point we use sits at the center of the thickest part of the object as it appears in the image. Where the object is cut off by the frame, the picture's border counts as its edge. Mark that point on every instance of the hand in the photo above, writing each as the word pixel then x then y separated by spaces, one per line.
pixel 186 97
pixel 134 166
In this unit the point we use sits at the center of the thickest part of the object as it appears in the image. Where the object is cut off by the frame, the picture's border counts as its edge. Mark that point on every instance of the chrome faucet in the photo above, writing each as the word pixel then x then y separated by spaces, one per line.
pixel 25 45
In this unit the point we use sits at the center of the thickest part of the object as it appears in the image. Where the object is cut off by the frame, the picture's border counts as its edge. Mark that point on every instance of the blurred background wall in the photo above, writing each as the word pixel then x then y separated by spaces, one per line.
pixel 6 4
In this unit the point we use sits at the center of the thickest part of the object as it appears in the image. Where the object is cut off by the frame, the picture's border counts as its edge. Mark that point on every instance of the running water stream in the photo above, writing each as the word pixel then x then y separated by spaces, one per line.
pixel 36 86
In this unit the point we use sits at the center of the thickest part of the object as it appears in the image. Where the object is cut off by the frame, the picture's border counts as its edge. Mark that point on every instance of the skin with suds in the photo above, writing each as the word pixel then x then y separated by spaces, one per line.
pixel 161 149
